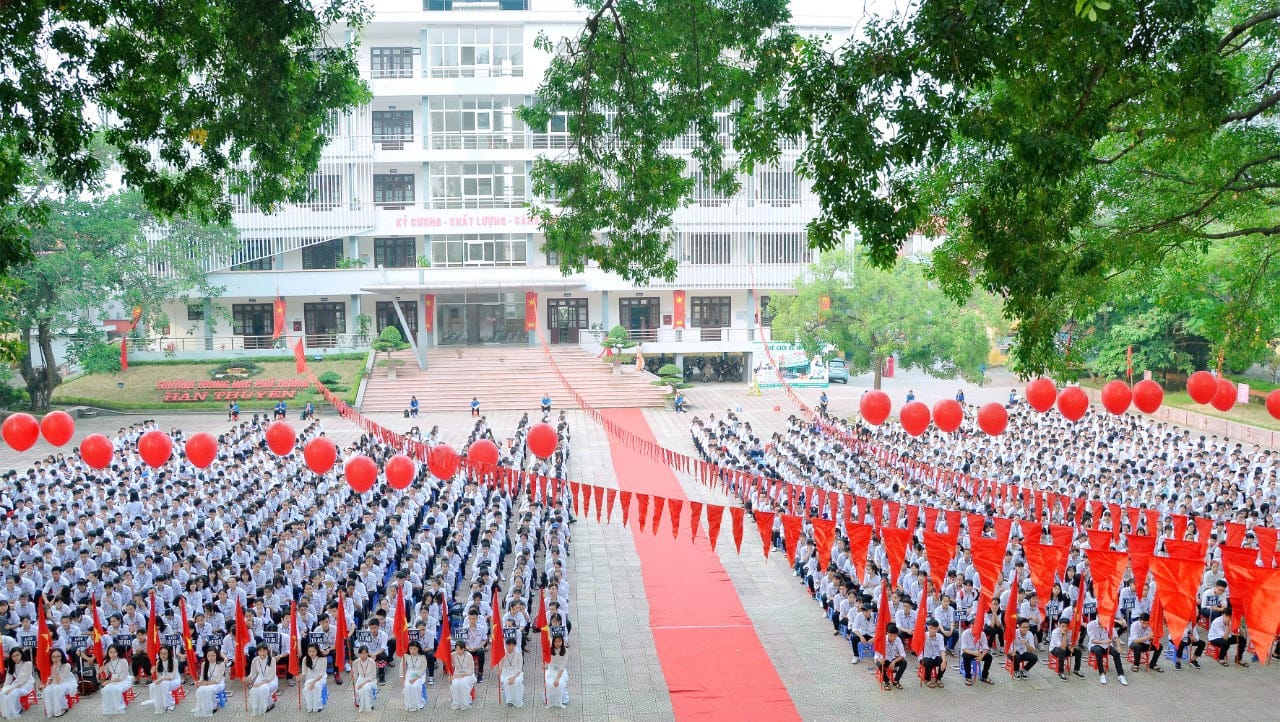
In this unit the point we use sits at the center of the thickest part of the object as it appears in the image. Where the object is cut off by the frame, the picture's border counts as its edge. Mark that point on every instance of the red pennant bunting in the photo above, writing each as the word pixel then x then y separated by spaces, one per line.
pixel 736 513
pixel 988 560
pixel 1031 531
pixel 1042 564
pixel 1238 563
pixel 675 506
pixel 1004 528
pixel 1261 588
pixel 599 494
pixel 1235 533
pixel 642 500
pixel 695 519
pixel 939 549
pixel 1141 548
pixel 1099 539
pixel 1204 527
pixel 610 495
pixel 1185 548
pixel 859 542
pixel 764 523
pixel 625 499
pixel 1107 568
pixel 1266 536
pixel 1177 581
pixel 824 534
pixel 953 522
pixel 658 502
pixel 895 549
pixel 791 527
pixel 1179 528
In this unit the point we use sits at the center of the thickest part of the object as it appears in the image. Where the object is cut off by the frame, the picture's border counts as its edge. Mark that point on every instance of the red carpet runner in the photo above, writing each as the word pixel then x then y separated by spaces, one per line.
pixel 715 666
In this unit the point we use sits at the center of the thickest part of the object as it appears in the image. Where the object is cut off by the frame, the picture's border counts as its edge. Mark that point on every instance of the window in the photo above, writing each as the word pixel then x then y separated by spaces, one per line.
pixel 254 255
pixel 766 313
pixel 324 321
pixel 704 193
pixel 322 255
pixel 395 252
pixel 476 122
pixel 553 258
pixel 639 314
pixel 475 52
pixel 556 134
pixel 386 316
pixel 701 249
pixel 477 185
pixel 254 321
pixel 777 188
pixel 710 311
pixel 479 249
pixel 391 62
pixel 392 125
pixel 195 311
pixel 324 191
pixel 783 248
pixel 393 190
pixel 475 4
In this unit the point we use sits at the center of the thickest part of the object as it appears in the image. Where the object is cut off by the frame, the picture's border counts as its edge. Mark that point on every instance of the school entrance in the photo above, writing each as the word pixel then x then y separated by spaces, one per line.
pixel 566 317
pixel 255 322
pixel 476 319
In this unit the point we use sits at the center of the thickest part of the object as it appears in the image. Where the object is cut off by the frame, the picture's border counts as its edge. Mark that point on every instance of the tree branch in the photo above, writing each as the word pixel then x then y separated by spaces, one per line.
pixel 1243 26
pixel 1256 230
pixel 1263 106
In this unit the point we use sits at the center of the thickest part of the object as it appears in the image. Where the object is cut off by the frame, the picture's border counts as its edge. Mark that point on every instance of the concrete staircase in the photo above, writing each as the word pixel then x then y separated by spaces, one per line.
pixel 507 378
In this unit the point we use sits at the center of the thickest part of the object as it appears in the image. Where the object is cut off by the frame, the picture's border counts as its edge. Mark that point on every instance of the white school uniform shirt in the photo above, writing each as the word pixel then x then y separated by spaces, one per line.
pixel 893 649
pixel 1218 628
pixel 1023 643
pixel 1058 639
pixel 971 644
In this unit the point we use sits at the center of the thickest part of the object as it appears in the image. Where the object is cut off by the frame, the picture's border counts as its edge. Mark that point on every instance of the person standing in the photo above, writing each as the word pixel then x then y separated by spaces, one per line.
pixel 165 680
pixel 262 682
pixel 315 679
pixel 557 676
pixel 414 668
pixel 511 675
pixel 210 683
pixel 115 680
pixel 18 683
pixel 1102 644
pixel 464 676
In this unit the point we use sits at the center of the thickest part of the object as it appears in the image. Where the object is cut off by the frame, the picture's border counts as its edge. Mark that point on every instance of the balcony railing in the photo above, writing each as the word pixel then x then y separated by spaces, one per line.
pixel 477 141
pixel 172 345
pixel 683 335
pixel 382 73
pixel 501 70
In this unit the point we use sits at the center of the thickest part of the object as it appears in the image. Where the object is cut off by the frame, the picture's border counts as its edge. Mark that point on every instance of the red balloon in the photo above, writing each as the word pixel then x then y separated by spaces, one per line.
pixel 361 472
pixel 202 449
pixel 280 438
pixel 320 453
pixel 57 427
pixel 914 417
pixel 993 419
pixel 875 407
pixel 1273 404
pixel 543 440
pixel 400 471
pixel 1041 393
pixel 948 415
pixel 1073 403
pixel 1116 397
pixel 20 431
pixel 442 461
pixel 155 447
pixel 482 454
pixel 1201 387
pixel 96 450
pixel 1147 396
pixel 1225 396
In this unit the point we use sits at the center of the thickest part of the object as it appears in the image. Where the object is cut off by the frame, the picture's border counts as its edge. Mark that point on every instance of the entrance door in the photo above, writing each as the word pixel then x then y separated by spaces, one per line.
pixel 255 322
pixel 640 316
pixel 565 317
pixel 324 321
pixel 386 312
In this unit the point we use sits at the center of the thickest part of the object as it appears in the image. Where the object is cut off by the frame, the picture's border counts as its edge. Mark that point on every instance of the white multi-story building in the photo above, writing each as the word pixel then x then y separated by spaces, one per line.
pixel 420 202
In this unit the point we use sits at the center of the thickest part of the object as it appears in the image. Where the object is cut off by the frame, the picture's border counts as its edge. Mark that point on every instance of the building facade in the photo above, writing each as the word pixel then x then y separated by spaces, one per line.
pixel 419 215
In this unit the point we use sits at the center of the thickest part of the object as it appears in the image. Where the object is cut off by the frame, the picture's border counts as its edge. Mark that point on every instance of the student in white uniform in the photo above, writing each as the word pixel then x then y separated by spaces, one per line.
pixel 862 630
pixel 62 682
pixel 1190 639
pixel 1024 649
pixel 933 656
pixel 1102 644
pixel 1142 640
pixel 210 681
pixel 557 676
pixel 511 675
pixel 893 663
pixel 165 680
pixel 116 679
pixel 365 671
pixel 975 650
pixel 262 682
pixel 1060 647
pixel 1222 639
pixel 18 683
pixel 315 679
pixel 464 675
pixel 414 669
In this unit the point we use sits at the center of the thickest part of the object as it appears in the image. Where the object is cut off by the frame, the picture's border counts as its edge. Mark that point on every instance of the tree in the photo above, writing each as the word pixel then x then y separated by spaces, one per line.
pixel 191 97
pixel 390 340
pixel 871 314
pixel 1063 149
pixel 92 255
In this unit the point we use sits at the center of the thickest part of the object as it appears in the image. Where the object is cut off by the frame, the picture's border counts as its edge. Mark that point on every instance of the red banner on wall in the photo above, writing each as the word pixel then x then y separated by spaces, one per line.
pixel 531 311
pixel 429 307
pixel 677 319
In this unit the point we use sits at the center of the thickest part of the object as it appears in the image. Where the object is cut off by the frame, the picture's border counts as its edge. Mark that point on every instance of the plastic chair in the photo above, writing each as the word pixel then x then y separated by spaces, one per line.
pixel 128 696
pixel 355 698
pixel 179 694
pixel 29 700
pixel 221 698
pixel 866 651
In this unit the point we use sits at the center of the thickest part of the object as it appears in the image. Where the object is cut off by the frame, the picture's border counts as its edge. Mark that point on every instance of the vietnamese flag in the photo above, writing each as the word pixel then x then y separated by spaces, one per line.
pixel 98 652
pixel 242 642
pixel 499 643
pixel 882 620
pixel 299 357
pixel 540 622
pixel 402 623
pixel 444 649
pixel 1011 614
pixel 124 354
pixel 153 631
pixel 44 641
pixel 193 660
pixel 294 643
pixel 278 320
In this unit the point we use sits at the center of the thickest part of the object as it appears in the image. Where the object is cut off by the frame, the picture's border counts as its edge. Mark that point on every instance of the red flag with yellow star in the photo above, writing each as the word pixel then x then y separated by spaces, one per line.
pixel 278 319
pixel 44 641
pixel 531 311
pixel 193 660
pixel 99 653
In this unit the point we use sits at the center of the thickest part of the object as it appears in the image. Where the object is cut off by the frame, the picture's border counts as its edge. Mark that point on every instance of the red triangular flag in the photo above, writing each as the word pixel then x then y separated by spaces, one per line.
pixel 675 506
pixel 1185 548
pixel 611 495
pixel 715 515
pixel 99 652
pixel 1266 536
pixel 695 519
pixel 499 644
pixel 791 528
pixel 939 549
pixel 642 500
pixel 1042 563
pixel 193 659
pixel 1011 613
pixel 625 499
pixel 824 534
pixel 1157 619
pixel 882 621
pixel 917 629
pixel 299 357
pixel 586 499
pixel 658 502
pixel 1261 589
pixel 444 648
pixel 1031 531
pixel 736 513
pixel 1235 533
pixel 988 560
pixel 1236 563
pixel 764 523
pixel 1141 548
pixel 895 549
pixel 1107 568
pixel 1099 539
pixel 859 542
pixel 599 494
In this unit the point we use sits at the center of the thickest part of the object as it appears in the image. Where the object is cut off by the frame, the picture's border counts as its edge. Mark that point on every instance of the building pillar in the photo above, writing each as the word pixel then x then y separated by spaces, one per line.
pixel 604 311
pixel 353 323
pixel 751 314
pixel 207 305
pixel 353 248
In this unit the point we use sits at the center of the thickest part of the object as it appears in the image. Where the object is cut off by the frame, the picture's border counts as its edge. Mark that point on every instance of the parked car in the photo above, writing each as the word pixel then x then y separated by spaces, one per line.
pixel 837 371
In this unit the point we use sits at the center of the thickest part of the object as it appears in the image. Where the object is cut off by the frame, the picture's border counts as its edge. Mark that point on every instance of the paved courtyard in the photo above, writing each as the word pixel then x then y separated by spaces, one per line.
pixel 615 673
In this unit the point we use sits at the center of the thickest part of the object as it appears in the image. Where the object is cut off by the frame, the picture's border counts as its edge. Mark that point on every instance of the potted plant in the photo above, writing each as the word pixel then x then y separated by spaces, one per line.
pixel 390 341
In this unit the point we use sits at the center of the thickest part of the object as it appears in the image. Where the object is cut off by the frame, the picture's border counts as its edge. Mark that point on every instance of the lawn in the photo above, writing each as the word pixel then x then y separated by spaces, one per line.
pixel 1251 414
pixel 140 381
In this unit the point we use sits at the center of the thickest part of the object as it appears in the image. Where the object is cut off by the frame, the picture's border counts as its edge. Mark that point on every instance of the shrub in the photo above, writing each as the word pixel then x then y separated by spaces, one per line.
pixel 10 396
pixel 101 358
pixel 670 370
pixel 330 379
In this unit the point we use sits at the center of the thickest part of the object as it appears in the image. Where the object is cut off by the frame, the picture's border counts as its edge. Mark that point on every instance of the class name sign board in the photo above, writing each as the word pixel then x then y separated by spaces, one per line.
pixel 177 391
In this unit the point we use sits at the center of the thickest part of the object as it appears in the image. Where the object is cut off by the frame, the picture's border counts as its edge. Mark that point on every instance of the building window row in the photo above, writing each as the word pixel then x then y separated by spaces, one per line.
pixel 720 249
pixel 469 51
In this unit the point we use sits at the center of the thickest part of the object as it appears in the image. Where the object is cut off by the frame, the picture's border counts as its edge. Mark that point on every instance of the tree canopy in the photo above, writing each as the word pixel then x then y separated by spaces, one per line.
pixel 191 98
pixel 869 314
pixel 1064 150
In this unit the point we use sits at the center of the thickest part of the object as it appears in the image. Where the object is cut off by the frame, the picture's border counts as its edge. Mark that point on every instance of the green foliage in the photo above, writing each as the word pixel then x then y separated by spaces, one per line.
pixel 10 396
pixel 618 336
pixel 388 341
pixel 100 358
pixel 1066 151
pixel 350 263
pixel 875 314
pixel 330 378
pixel 229 93
pixel 670 370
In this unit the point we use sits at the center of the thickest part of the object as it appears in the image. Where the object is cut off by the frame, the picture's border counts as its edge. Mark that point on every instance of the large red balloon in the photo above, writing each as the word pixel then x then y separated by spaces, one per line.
pixel 542 440
pixel 57 427
pixel 1147 396
pixel 1224 398
pixel 400 471
pixel 155 447
pixel 1116 397
pixel 914 417
pixel 1041 393
pixel 482 454
pixel 20 431
pixel 1073 402
pixel 361 473
pixel 442 461
pixel 875 407
pixel 202 449
pixel 1273 404
pixel 320 453
pixel 96 450
pixel 280 438
pixel 948 415
pixel 993 419
pixel 1201 387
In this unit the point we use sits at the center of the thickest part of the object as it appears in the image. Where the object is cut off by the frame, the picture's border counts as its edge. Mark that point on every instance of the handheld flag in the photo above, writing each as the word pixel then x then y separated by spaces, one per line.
pixel 294 642
pixel 444 650
pixel 98 652
pixel 1011 614
pixel 402 624
pixel 340 646
pixel 193 660
pixel 882 620
pixel 242 642
pixel 153 631
pixel 44 641
pixel 499 644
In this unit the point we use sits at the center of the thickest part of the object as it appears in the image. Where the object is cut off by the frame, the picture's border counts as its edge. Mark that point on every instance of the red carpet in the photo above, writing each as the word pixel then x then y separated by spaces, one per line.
pixel 715 666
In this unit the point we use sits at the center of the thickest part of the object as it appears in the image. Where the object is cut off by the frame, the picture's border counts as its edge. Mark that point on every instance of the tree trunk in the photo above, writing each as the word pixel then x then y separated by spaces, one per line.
pixel 40 380
pixel 879 369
